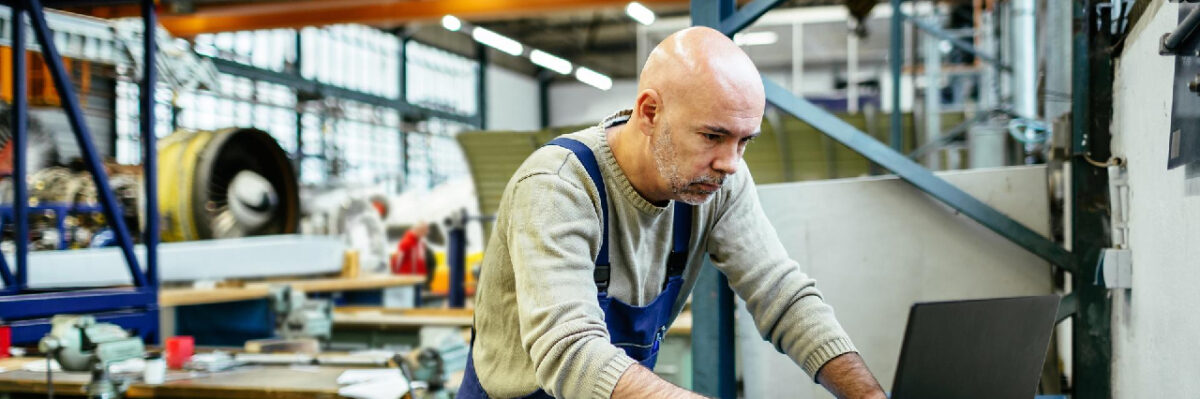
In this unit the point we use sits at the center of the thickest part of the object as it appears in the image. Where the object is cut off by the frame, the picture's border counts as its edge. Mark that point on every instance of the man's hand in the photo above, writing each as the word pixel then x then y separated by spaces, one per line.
pixel 847 377
pixel 639 382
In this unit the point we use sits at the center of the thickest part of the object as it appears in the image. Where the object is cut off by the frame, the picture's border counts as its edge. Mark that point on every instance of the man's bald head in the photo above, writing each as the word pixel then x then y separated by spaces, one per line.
pixel 700 100
pixel 699 63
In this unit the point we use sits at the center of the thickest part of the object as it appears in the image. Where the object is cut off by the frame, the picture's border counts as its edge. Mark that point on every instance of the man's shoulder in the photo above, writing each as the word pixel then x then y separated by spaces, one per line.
pixel 555 160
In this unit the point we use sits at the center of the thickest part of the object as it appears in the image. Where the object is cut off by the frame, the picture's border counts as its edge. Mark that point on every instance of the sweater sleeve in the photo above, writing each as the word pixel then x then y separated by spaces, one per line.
pixel 788 309
pixel 554 235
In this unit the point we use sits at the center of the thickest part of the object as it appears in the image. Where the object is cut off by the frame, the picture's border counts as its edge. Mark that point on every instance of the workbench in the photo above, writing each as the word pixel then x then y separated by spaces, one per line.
pixel 274 382
pixel 377 327
pixel 169 297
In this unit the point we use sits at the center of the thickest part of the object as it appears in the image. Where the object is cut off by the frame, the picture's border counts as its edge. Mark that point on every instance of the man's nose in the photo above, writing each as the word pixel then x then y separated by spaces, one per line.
pixel 727 160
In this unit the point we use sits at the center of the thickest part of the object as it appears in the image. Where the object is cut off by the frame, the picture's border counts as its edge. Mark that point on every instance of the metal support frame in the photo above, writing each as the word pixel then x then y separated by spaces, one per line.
pixel 27 313
pixel 713 13
pixel 895 61
pixel 409 111
pixel 456 259
pixel 955 41
pixel 481 55
pixel 1091 113
pixel 713 370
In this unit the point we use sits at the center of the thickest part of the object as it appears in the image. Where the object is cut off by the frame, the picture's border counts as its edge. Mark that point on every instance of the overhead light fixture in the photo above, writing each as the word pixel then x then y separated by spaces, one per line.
pixel 550 61
pixel 755 38
pixel 593 78
pixel 451 23
pixel 497 41
pixel 640 13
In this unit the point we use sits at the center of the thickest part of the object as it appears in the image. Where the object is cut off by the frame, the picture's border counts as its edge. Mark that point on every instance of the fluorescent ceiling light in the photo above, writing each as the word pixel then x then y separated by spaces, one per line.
pixel 593 78
pixel 497 41
pixel 451 23
pixel 640 13
pixel 549 61
pixel 756 38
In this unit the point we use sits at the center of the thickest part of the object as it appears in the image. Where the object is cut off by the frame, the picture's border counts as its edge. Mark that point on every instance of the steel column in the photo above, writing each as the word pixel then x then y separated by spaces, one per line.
pixel 20 125
pixel 481 55
pixel 84 138
pixel 1091 115
pixel 713 371
pixel 895 61
pixel 149 149
pixel 456 259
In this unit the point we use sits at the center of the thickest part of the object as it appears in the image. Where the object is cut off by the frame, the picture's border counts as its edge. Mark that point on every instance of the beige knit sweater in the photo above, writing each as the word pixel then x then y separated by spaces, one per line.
pixel 537 322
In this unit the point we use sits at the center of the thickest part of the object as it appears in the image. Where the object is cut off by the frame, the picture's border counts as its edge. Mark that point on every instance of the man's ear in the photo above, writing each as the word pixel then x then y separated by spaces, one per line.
pixel 648 111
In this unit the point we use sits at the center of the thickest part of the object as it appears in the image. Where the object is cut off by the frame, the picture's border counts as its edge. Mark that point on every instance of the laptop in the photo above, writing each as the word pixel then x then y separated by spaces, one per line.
pixel 982 349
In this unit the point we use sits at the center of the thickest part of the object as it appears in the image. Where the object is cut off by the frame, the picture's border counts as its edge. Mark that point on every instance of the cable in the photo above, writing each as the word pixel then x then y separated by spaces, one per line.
pixel 1114 161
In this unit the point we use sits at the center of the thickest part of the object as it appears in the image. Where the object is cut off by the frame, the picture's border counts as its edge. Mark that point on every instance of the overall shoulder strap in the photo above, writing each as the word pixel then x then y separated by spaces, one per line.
pixel 588 159
pixel 681 234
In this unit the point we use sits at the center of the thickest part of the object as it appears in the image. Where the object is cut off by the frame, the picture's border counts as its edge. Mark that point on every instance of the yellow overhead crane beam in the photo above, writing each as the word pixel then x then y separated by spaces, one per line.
pixel 228 17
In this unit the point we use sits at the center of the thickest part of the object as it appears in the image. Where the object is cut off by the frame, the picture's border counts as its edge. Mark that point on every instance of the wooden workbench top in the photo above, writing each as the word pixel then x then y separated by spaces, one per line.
pixel 255 290
pixel 375 317
pixel 275 382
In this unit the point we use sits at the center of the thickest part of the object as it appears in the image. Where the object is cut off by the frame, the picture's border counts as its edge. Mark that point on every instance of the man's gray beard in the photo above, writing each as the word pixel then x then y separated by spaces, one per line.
pixel 664 156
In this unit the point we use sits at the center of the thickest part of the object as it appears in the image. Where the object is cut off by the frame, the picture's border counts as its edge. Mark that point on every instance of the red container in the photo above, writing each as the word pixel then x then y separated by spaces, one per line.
pixel 179 349
pixel 5 340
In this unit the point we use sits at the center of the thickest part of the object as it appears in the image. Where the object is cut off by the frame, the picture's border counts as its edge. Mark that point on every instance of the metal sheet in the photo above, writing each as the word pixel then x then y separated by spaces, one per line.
pixel 875 246
pixel 189 261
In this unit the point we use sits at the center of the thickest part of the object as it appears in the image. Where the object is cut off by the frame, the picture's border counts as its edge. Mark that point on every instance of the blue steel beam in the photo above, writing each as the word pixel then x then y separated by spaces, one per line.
pixel 918 176
pixel 84 138
pixel 149 149
pixel 746 16
pixel 956 42
pixel 19 127
pixel 16 307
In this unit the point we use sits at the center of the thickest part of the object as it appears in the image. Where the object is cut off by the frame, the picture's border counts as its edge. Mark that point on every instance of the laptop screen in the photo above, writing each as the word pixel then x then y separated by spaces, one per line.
pixel 987 348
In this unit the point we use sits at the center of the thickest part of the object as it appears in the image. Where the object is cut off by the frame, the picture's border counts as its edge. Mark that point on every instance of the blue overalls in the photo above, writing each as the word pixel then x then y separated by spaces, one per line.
pixel 638 330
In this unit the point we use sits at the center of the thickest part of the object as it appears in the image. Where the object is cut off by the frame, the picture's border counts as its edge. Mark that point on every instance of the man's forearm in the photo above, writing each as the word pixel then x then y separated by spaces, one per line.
pixel 846 376
pixel 639 382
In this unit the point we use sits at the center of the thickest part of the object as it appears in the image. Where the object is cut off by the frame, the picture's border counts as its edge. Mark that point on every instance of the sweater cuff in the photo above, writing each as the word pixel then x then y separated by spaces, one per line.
pixel 825 353
pixel 606 382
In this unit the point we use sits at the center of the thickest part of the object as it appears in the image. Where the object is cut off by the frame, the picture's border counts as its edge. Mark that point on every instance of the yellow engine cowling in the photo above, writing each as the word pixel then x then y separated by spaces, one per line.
pixel 198 172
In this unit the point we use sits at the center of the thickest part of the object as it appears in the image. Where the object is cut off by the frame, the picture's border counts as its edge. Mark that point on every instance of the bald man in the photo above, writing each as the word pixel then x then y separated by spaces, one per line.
pixel 601 234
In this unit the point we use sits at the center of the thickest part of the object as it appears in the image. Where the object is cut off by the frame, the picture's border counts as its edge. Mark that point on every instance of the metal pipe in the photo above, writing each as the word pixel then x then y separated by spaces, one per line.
pixel 456 259
pixel 83 137
pixel 1182 33
pixel 933 98
pixel 149 149
pixel 896 60
pixel 1024 38
pixel 20 113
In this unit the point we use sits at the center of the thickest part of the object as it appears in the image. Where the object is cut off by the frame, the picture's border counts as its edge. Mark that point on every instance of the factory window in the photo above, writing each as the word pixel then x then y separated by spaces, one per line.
pixel 441 80
pixel 336 139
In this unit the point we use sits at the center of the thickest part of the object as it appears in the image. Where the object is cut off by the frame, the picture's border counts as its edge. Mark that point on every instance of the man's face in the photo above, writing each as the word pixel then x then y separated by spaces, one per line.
pixel 695 161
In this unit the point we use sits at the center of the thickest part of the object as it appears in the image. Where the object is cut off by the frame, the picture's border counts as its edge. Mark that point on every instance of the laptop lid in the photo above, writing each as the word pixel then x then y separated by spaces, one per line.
pixel 986 348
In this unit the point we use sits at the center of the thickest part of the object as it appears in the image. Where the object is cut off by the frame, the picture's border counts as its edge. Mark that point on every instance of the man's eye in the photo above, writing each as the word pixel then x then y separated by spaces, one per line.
pixel 712 137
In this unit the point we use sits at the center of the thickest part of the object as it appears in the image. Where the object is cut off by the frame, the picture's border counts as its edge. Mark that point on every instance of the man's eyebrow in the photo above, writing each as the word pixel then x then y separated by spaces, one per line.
pixel 717 129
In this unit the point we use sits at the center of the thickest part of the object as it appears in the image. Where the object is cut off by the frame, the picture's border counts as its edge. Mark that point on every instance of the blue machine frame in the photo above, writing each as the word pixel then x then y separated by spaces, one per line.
pixel 28 311
pixel 713 317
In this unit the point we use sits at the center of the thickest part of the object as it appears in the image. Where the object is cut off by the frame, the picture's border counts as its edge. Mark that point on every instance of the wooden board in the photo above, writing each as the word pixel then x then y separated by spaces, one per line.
pixel 256 290
pixel 384 318
pixel 274 382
